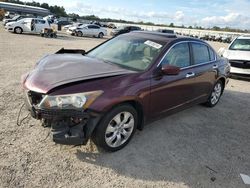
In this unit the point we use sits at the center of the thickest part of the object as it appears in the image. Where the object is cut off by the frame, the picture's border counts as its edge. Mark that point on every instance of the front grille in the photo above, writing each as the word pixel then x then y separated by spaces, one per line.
pixel 54 113
pixel 240 64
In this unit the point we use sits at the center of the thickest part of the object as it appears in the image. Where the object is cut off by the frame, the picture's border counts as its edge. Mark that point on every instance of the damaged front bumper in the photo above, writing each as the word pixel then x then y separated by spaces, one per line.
pixel 68 127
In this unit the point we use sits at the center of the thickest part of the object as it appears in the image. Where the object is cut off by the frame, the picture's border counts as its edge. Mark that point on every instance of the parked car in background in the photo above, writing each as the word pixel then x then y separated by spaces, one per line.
pixel 204 37
pixel 27 25
pixel 71 28
pixel 166 31
pixel 61 23
pixel 124 29
pixel 16 18
pixel 91 30
pixel 238 54
pixel 111 25
pixel 218 38
pixel 226 39
pixel 115 88
pixel 9 15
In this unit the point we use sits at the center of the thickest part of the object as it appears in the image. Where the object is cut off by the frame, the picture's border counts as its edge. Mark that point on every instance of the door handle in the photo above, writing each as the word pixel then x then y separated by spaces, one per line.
pixel 190 74
pixel 215 66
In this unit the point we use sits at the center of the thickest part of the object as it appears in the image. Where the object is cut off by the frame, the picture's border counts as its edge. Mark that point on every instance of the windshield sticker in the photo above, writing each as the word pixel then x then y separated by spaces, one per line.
pixel 153 44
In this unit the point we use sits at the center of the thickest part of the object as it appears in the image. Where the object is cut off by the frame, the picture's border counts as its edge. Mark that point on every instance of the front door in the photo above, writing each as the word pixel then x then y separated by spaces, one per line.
pixel 169 92
pixel 26 25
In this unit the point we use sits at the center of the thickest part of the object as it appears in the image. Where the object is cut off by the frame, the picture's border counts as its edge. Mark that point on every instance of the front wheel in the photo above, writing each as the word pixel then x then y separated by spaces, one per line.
pixel 215 95
pixel 18 30
pixel 116 128
pixel 79 34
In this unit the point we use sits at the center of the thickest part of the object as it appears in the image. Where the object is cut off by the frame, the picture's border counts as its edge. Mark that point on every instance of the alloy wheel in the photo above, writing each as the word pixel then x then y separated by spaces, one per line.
pixel 119 129
pixel 216 93
pixel 18 30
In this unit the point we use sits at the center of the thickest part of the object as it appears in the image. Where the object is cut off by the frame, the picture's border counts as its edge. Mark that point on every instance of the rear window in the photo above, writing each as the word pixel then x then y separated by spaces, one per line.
pixel 200 53
pixel 40 21
pixel 211 54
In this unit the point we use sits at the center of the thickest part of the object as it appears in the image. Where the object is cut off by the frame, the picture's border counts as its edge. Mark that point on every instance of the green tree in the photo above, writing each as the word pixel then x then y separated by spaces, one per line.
pixel 171 25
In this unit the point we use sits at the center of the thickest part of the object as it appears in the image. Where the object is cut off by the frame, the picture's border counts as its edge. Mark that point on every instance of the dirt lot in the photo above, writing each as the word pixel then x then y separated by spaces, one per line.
pixel 188 149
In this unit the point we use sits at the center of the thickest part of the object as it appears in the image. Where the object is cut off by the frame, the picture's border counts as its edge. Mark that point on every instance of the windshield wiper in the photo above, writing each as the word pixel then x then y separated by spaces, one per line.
pixel 119 65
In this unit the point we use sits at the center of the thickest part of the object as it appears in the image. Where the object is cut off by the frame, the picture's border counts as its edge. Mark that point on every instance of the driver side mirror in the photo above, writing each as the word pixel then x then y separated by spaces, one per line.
pixel 170 70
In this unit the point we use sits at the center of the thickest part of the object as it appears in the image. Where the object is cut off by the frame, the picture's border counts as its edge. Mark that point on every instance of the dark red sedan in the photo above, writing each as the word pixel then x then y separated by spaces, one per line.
pixel 112 90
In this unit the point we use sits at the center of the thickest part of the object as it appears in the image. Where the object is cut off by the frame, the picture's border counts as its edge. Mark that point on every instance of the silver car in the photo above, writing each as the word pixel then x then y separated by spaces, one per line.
pixel 238 54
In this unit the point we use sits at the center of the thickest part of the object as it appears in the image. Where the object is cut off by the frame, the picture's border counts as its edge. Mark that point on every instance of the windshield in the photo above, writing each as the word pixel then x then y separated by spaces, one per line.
pixel 241 44
pixel 15 17
pixel 128 52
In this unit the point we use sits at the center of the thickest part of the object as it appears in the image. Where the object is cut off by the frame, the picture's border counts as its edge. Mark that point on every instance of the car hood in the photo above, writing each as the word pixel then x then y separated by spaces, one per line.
pixel 237 55
pixel 59 69
pixel 8 20
pixel 11 23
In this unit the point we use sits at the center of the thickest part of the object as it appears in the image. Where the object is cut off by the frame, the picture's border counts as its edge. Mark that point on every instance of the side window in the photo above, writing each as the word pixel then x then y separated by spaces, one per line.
pixel 41 21
pixel 211 54
pixel 201 53
pixel 131 28
pixel 178 56
pixel 96 27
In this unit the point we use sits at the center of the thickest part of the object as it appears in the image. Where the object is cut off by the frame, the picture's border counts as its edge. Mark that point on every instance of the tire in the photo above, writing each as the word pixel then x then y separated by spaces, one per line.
pixel 215 94
pixel 79 34
pixel 18 30
pixel 100 35
pixel 113 133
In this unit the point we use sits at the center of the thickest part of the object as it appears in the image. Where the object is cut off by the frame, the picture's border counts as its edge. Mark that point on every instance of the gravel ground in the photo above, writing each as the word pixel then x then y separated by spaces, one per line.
pixel 198 147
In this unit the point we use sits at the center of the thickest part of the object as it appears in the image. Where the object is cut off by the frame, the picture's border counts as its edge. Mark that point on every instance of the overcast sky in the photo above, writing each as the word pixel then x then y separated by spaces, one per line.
pixel 232 13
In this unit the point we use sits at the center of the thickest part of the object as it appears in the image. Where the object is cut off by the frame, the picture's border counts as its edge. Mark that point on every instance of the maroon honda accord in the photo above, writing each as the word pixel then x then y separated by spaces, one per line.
pixel 110 91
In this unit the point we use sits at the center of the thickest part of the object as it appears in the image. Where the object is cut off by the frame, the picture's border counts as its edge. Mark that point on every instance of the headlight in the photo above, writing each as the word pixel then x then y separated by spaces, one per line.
pixel 71 101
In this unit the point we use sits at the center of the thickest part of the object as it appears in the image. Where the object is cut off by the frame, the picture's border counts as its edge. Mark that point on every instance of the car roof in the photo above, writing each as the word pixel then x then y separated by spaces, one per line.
pixel 165 37
pixel 244 37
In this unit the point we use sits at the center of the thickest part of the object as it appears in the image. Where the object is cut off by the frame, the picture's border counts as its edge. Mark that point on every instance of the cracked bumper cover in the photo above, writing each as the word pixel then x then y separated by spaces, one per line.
pixel 62 131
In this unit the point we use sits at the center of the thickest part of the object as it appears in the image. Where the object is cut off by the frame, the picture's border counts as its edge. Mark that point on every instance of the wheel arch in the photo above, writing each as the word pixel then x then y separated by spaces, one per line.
pixel 136 105
pixel 17 27
pixel 223 80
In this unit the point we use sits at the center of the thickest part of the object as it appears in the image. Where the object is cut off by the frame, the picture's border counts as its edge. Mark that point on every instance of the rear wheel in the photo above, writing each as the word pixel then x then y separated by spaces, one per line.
pixel 100 35
pixel 18 30
pixel 215 95
pixel 116 128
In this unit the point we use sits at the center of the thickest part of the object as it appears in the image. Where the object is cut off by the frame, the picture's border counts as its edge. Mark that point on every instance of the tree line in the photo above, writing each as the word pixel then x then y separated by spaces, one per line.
pixel 59 11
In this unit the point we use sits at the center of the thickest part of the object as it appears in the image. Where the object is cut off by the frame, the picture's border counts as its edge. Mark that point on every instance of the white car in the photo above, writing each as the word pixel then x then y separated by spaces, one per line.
pixel 238 54
pixel 91 30
pixel 71 28
pixel 27 25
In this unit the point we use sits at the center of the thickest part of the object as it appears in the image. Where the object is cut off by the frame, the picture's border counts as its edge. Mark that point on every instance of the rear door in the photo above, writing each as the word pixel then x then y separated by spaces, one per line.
pixel 205 68
pixel 96 30
pixel 169 92
pixel 90 30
